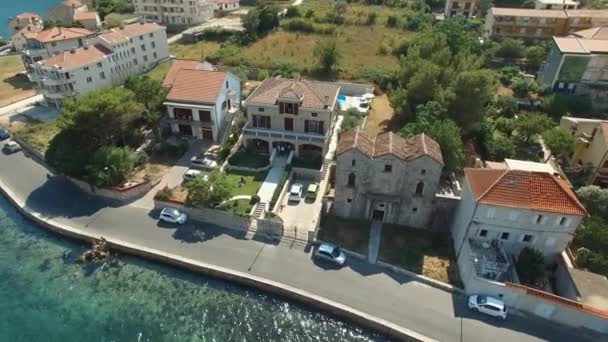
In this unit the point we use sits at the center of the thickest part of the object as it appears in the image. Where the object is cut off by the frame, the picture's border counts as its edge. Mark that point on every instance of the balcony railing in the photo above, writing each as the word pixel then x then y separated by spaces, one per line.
pixel 254 132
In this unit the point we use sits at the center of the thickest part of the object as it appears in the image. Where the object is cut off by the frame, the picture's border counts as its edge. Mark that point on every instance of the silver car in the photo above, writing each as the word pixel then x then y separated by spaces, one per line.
pixel 11 147
pixel 172 215
pixel 328 252
pixel 488 305
pixel 203 163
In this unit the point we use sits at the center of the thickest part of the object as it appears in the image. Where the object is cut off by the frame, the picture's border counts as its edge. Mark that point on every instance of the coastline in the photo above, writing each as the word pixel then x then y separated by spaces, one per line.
pixel 259 283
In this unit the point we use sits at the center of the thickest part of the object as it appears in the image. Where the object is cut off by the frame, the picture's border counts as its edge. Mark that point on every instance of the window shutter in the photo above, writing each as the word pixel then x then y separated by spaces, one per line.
pixel 281 108
pixel 295 109
pixel 254 120
pixel 321 130
pixel 268 122
pixel 306 126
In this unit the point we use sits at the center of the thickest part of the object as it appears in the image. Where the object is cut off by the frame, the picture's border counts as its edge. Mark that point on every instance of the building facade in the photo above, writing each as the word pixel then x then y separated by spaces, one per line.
pixel 591 147
pixel 66 10
pixel 226 5
pixel 387 178
pixel 201 103
pixel 555 4
pixel 88 20
pixel 293 114
pixel 47 43
pixel 104 60
pixel 578 65
pixel 19 22
pixel 461 8
pixel 175 12
pixel 540 23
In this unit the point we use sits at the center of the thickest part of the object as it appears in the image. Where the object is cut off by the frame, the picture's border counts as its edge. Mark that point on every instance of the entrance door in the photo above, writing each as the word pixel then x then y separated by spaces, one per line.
pixel 207 133
pixel 289 124
pixel 378 215
pixel 185 130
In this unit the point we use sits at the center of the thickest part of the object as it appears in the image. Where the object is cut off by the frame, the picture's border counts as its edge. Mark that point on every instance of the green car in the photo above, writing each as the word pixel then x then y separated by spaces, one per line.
pixel 311 192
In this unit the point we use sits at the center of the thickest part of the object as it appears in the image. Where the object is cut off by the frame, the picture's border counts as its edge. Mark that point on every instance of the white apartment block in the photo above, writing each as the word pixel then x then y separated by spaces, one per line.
pixel 105 60
pixel 47 43
pixel 175 12
pixel 461 8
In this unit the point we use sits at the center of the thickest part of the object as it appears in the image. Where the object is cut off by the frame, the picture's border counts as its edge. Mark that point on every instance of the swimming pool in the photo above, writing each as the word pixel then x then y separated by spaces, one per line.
pixel 342 100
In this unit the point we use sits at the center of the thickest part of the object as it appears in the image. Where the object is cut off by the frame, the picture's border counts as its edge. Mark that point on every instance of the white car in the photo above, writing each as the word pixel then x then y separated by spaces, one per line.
pixel 204 163
pixel 192 173
pixel 488 305
pixel 172 215
pixel 328 252
pixel 11 147
pixel 295 194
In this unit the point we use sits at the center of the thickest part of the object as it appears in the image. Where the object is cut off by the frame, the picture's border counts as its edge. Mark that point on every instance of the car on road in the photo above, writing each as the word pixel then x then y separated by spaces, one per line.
pixel 11 147
pixel 488 305
pixel 192 173
pixel 203 162
pixel 295 193
pixel 4 134
pixel 331 253
pixel 311 191
pixel 172 215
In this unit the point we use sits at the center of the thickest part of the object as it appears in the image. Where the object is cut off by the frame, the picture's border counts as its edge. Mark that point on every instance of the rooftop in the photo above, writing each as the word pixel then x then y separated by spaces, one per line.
pixel 528 12
pixel 523 165
pixel 124 33
pixel 581 46
pixel 85 16
pixel 389 143
pixel 60 33
pixel 593 33
pixel 196 86
pixel 27 15
pixel 76 57
pixel 312 94
pixel 558 2
pixel 30 29
pixel 531 190
pixel 180 64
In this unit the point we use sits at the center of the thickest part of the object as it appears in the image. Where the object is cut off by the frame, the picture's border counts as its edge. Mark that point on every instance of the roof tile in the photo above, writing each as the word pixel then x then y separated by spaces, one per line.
pixel 180 64
pixel 196 86
pixel 314 94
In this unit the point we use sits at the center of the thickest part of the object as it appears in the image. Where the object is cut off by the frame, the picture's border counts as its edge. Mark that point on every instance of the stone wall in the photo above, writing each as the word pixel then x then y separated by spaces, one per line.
pixel 122 195
pixel 444 208
pixel 305 173
pixel 564 282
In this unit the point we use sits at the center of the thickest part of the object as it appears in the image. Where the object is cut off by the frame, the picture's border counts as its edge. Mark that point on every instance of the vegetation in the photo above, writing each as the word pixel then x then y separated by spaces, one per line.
pixel 261 20
pixel 328 54
pixel 110 165
pixel 591 238
pixel 530 266
pixel 14 86
pixel 39 134
pixel 559 141
pixel 151 94
pixel 209 192
pixel 247 158
pixel 105 7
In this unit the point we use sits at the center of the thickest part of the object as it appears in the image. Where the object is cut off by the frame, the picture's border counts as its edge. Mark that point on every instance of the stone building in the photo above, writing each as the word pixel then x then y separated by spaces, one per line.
pixel 387 178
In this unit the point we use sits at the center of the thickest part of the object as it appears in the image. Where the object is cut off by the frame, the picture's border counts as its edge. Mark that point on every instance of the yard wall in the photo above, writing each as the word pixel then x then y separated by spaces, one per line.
pixel 123 195
pixel 30 150
pixel 444 208
pixel 564 282
pixel 355 89
pixel 250 169
pixel 301 172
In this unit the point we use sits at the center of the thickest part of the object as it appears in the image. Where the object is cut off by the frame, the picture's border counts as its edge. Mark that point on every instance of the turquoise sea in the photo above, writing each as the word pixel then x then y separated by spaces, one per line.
pixel 46 296
pixel 10 8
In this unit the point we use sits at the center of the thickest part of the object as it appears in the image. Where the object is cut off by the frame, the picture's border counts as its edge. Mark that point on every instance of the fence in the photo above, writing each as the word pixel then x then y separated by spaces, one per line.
pixel 123 195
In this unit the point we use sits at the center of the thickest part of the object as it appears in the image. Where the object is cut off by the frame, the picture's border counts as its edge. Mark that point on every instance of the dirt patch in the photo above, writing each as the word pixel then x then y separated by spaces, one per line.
pixel 502 90
pixel 151 170
pixel 15 85
pixel 16 122
pixel 380 116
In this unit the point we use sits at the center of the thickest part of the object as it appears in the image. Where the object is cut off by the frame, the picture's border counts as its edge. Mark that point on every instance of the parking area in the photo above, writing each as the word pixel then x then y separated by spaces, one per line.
pixel 300 216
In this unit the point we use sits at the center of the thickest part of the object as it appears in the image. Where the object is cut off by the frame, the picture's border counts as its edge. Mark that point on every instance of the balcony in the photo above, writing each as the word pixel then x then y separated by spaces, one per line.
pixel 51 94
pixel 295 137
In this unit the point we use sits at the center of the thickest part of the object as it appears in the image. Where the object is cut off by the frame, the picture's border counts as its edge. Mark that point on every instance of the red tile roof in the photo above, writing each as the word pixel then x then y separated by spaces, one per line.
pixel 196 86
pixel 539 191
pixel 123 33
pixel 180 64
pixel 77 57
pixel 389 143
pixel 61 33
pixel 85 16
pixel 314 94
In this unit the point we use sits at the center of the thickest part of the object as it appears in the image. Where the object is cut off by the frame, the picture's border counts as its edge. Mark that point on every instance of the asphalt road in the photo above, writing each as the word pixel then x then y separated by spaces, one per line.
pixel 395 298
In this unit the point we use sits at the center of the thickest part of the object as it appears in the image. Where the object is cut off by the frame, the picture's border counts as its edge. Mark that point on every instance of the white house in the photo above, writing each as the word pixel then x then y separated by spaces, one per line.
pixel 461 8
pixel 226 5
pixel 45 44
pixel 200 103
pixel 105 60
pixel 175 12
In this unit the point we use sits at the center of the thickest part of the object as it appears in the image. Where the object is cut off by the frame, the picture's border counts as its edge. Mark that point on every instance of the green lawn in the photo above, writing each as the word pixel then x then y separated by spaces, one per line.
pixel 247 183
pixel 245 158
pixel 39 134
pixel 114 19
pixel 160 71
pixel 239 207
pixel 349 234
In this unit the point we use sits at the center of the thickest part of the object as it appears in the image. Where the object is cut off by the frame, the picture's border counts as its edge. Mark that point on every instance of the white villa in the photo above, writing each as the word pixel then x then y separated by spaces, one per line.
pixel 175 12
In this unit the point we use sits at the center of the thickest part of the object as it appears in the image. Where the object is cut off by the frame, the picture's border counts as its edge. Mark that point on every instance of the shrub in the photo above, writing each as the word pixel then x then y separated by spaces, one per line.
pixel 262 74
pixel 254 199
pixel 559 105
pixel 507 73
pixel 164 194
pixel 309 13
pixel 392 21
pixel 522 86
pixel 292 11
pixel 530 267
pixel 307 26
pixel 371 18
pixel 511 49
pixel 141 158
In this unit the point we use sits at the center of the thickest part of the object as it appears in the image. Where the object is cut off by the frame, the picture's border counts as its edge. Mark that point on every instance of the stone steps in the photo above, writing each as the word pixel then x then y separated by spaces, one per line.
pixel 260 210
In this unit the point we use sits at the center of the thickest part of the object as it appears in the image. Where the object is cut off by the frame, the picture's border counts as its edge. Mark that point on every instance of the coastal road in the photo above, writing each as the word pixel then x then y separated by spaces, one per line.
pixel 396 298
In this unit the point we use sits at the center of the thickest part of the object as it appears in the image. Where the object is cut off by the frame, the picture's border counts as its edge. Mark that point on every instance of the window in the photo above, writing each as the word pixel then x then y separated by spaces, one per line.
pixel 353 163
pixel 99 65
pixel 314 115
pixel 420 188
pixel 226 84
pixel 504 236
pixel 539 219
pixel 145 58
pixel 288 108
pixel 423 171
pixel 86 68
pixel 414 209
pixel 102 75
pixel 349 200
pixel 483 233
pixel 528 238
pixel 141 37
pixel 143 47
pixel 204 115
pixel 155 55
pixel 351 180
pixel 563 221
pixel 183 114
pixel 313 126
pixel 260 109
pixel 89 80
pixel 153 44
pixel 261 121
pixel 388 168
pixel 151 35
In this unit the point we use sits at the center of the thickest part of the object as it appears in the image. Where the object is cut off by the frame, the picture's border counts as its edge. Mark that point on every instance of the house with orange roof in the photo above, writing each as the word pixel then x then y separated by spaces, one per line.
pixel 201 103
pixel 508 206
pixel 45 44
pixel 387 178
pixel 88 20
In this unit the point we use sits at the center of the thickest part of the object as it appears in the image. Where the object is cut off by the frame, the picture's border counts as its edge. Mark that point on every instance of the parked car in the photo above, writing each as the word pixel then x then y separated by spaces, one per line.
pixel 192 173
pixel 172 215
pixel 203 162
pixel 11 147
pixel 295 194
pixel 311 191
pixel 328 252
pixel 4 134
pixel 488 305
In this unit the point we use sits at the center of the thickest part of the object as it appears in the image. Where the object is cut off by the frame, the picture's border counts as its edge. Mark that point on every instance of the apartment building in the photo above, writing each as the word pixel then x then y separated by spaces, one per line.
pixel 578 65
pixel 175 12
pixel 20 26
pixel 226 5
pixel 540 23
pixel 591 147
pixel 45 44
pixel 461 8
pixel 292 114
pixel 103 60
pixel 555 4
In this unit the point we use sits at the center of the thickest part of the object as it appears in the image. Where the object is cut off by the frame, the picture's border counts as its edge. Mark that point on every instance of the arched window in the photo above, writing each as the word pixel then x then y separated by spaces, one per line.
pixel 351 179
pixel 419 188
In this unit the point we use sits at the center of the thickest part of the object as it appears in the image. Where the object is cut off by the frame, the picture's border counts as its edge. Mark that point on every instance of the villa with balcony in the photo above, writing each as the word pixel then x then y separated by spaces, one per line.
pixel 291 115
pixel 201 102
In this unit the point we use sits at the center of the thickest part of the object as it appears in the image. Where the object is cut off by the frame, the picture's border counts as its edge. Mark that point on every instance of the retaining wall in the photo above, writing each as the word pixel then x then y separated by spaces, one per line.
pixel 30 150
pixel 355 89
pixel 123 195
pixel 305 173
pixel 213 216
pixel 442 215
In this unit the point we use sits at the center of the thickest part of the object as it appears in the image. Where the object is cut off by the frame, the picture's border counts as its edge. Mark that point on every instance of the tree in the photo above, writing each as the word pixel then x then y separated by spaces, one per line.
pixel 209 192
pixel 595 200
pixel 68 153
pixel 507 105
pixel 530 267
pixel 269 18
pixel 340 7
pixel 473 91
pixel 522 86
pixel 251 22
pixel 530 125
pixel 500 148
pixel 559 141
pixel 105 7
pixel 110 165
pixel 535 56
pixel 151 94
pixel 510 48
pixel 558 105
pixel 443 130
pixel 328 54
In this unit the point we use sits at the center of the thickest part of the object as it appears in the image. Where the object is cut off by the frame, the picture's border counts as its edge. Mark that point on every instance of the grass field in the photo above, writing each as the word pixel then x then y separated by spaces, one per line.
pixel 39 134
pixel 380 116
pixel 15 86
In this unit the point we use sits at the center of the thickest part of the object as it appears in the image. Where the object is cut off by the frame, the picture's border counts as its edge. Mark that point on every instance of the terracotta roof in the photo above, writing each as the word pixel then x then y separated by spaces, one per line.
pixel 389 143
pixel 313 94
pixel 539 191
pixel 180 64
pixel 123 33
pixel 85 16
pixel 30 29
pixel 526 12
pixel 196 86
pixel 77 57
pixel 61 33
pixel 593 33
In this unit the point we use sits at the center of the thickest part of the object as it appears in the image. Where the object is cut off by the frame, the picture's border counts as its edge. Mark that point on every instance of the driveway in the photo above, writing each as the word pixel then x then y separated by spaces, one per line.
pixel 299 217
